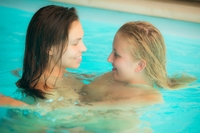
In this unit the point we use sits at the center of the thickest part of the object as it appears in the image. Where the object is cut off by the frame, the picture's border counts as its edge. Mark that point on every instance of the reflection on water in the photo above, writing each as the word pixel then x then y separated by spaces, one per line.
pixel 73 119
pixel 157 118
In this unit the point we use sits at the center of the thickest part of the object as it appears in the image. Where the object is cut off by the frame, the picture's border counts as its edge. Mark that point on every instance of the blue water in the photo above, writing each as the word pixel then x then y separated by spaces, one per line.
pixel 179 114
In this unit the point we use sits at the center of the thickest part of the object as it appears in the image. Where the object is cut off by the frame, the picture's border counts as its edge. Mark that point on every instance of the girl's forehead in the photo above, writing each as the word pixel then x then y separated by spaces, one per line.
pixel 75 31
pixel 121 44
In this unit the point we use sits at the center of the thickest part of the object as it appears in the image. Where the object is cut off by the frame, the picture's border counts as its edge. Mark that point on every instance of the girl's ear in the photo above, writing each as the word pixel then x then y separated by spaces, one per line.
pixel 51 51
pixel 141 65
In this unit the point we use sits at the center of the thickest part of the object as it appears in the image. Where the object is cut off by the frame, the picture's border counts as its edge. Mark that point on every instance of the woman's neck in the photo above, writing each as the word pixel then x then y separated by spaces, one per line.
pixel 56 71
pixel 50 77
pixel 141 80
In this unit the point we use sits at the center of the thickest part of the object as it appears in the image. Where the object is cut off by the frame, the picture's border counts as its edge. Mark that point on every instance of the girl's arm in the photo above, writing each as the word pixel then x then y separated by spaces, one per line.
pixel 4 100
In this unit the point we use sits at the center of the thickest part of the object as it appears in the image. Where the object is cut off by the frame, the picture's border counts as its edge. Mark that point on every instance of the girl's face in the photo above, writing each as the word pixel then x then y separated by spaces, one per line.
pixel 124 65
pixel 72 57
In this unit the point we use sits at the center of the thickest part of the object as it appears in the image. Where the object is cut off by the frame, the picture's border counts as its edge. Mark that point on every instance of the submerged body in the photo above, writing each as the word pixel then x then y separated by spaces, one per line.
pixel 64 92
pixel 105 90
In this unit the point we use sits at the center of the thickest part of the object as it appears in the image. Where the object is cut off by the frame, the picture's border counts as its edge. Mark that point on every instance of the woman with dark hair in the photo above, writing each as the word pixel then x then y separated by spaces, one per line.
pixel 53 43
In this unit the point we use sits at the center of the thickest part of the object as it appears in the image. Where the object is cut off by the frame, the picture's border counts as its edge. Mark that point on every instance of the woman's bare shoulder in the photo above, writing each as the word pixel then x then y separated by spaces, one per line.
pixel 137 96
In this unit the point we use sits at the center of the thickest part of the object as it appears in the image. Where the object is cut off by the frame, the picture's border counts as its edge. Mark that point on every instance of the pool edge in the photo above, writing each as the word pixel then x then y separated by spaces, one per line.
pixel 170 9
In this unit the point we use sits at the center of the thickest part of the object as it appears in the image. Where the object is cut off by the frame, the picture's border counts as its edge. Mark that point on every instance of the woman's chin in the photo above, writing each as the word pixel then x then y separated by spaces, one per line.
pixel 74 67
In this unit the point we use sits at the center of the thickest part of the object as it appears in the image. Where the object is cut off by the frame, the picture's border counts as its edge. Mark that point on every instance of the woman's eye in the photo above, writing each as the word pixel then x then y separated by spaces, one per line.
pixel 116 55
pixel 75 43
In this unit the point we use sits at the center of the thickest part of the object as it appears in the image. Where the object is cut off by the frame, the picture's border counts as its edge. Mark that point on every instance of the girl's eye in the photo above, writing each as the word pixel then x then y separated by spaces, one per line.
pixel 116 55
pixel 75 43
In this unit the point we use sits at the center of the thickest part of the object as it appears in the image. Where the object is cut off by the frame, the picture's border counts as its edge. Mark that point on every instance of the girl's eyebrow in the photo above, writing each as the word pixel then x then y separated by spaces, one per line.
pixel 119 53
pixel 115 50
pixel 77 39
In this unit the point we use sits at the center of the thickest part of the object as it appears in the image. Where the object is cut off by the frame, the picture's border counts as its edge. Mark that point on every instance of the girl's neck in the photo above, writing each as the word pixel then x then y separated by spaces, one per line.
pixel 50 77
pixel 55 72
pixel 141 80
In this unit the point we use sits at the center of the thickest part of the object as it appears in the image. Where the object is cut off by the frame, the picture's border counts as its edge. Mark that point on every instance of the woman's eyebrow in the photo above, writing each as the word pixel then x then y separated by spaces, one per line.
pixel 77 39
pixel 114 50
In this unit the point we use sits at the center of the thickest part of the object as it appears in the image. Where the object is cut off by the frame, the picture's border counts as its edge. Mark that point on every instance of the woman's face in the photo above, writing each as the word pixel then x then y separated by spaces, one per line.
pixel 72 57
pixel 124 65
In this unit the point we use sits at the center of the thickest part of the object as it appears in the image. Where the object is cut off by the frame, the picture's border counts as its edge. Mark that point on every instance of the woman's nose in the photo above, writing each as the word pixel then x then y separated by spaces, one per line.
pixel 110 58
pixel 83 47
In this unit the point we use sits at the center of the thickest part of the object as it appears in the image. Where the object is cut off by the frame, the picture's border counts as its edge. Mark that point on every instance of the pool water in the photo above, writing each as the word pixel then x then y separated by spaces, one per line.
pixel 179 114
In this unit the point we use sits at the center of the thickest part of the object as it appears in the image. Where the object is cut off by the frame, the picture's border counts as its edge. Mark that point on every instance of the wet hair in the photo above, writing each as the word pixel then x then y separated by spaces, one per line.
pixel 148 43
pixel 48 28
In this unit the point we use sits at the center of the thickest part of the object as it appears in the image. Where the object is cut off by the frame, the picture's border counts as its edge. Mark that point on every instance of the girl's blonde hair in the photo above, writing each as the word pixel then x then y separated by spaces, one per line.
pixel 148 43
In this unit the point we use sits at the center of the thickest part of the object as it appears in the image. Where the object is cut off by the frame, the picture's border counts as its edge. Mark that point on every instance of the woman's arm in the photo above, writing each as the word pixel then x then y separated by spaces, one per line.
pixel 4 100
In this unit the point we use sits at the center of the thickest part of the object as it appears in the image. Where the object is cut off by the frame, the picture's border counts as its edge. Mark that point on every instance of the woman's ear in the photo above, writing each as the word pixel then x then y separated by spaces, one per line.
pixel 141 65
pixel 51 51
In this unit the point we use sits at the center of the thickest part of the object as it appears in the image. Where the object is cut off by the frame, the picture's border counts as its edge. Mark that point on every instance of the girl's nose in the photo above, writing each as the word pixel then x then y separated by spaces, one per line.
pixel 83 47
pixel 110 58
